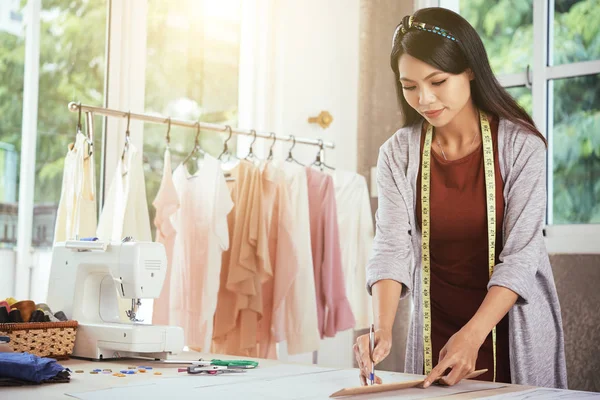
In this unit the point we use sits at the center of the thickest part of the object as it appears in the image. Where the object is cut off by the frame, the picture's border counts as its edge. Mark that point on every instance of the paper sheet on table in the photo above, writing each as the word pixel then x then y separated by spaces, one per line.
pixel 183 381
pixel 545 394
pixel 281 382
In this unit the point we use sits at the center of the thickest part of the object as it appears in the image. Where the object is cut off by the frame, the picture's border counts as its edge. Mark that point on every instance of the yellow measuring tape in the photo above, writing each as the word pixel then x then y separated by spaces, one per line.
pixel 490 189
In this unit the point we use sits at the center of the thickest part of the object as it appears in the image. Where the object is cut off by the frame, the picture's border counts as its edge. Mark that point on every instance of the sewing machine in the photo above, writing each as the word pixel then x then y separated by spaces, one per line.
pixel 86 280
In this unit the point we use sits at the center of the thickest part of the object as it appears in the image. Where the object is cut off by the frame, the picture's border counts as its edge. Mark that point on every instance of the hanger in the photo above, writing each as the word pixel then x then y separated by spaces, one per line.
pixel 270 157
pixel 251 155
pixel 168 137
pixel 127 137
pixel 197 148
pixel 291 158
pixel 226 151
pixel 126 146
pixel 225 147
pixel 89 141
pixel 318 162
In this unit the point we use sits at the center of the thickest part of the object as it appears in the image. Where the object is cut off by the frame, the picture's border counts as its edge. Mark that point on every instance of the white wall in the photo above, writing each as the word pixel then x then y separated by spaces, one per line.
pixel 299 58
pixel 40 274
pixel 8 260
pixel 317 69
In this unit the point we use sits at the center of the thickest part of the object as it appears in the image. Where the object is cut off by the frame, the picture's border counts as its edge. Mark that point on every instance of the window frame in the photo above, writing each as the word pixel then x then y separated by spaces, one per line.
pixel 27 258
pixel 563 238
pixel 24 253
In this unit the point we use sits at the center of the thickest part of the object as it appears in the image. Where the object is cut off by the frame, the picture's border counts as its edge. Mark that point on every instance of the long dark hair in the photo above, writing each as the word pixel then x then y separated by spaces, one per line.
pixel 455 56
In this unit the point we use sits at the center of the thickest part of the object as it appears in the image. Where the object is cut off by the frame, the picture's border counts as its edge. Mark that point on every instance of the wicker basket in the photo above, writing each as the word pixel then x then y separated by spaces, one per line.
pixel 44 339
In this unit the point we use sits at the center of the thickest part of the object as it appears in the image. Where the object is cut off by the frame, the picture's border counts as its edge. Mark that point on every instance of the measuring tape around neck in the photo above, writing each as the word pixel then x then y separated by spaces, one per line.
pixel 490 189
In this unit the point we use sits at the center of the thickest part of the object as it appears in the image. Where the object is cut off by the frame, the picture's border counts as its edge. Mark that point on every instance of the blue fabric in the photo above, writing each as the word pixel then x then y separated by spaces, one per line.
pixel 28 367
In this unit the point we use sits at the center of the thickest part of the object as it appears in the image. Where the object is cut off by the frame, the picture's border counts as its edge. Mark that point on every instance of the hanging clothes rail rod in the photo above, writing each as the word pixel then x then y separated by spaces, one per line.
pixel 74 107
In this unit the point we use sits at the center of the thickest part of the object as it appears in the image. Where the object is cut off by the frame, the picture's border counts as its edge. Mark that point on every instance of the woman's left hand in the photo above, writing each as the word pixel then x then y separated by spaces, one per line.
pixel 459 354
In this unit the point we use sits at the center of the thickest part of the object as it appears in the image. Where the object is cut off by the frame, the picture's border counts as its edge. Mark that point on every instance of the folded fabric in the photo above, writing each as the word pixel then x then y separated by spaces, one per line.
pixel 15 316
pixel 61 316
pixel 62 377
pixel 30 368
pixel 4 318
pixel 37 316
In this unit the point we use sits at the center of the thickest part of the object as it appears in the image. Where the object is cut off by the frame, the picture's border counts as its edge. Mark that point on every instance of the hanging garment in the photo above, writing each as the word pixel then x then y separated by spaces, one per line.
pixel 202 235
pixel 300 304
pixel 166 204
pixel 125 213
pixel 282 263
pixel 245 266
pixel 355 225
pixel 76 214
pixel 333 309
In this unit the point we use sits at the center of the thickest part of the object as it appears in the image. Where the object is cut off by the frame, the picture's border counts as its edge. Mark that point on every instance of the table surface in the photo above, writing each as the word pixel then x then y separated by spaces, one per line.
pixel 83 382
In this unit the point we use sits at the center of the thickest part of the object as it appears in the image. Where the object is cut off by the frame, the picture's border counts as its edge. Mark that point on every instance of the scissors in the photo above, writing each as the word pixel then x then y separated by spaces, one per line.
pixel 213 369
pixel 230 364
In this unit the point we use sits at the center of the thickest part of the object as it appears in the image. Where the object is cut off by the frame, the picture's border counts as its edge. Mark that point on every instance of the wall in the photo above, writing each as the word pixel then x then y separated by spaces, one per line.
pixel 8 260
pixel 577 278
pixel 40 274
pixel 379 118
pixel 316 68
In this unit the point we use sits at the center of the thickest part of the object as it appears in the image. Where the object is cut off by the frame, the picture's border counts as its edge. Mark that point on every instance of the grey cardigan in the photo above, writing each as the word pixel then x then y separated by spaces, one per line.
pixel 535 333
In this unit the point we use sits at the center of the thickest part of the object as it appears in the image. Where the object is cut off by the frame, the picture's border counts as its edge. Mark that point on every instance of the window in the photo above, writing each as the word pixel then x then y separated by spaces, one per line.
pixel 72 64
pixel 575 116
pixel 506 28
pixel 192 73
pixel 69 38
pixel 575 31
pixel 547 54
pixel 523 96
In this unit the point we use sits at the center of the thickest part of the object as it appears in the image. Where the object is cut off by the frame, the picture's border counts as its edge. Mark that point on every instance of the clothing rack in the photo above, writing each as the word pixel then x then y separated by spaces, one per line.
pixel 157 119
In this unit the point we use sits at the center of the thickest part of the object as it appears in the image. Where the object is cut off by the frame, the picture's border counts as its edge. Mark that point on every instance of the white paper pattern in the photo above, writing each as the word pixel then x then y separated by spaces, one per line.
pixel 286 382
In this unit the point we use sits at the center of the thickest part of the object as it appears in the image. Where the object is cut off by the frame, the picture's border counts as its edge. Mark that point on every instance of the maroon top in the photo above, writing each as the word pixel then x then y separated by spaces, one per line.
pixel 459 250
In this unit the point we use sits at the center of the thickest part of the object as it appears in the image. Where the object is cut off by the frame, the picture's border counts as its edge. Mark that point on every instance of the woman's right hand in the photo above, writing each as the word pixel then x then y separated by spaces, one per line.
pixel 383 345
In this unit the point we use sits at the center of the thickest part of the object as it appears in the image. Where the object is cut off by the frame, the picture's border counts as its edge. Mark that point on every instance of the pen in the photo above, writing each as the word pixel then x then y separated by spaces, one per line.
pixel 372 348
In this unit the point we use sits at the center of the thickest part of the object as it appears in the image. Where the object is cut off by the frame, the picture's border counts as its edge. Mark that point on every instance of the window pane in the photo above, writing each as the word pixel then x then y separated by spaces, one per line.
pixel 506 28
pixel 523 97
pixel 71 68
pixel 576 31
pixel 191 73
pixel 576 150
pixel 72 64
pixel 12 53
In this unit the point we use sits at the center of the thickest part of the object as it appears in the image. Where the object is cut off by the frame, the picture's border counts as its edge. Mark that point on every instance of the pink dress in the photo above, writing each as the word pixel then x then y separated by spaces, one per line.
pixel 202 236
pixel 245 267
pixel 166 204
pixel 333 308
pixel 282 263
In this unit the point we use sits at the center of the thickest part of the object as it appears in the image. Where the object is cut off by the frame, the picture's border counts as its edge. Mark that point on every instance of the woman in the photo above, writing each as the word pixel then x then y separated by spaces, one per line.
pixel 462 205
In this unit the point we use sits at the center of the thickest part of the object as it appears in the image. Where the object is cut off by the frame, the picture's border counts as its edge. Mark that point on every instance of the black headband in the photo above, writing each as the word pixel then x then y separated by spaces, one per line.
pixel 422 26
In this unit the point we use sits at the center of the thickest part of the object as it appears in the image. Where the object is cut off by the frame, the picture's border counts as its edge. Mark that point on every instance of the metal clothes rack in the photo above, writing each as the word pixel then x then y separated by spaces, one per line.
pixel 92 110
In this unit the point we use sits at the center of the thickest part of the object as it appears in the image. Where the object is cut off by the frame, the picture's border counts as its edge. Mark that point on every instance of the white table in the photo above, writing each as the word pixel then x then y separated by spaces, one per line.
pixel 84 382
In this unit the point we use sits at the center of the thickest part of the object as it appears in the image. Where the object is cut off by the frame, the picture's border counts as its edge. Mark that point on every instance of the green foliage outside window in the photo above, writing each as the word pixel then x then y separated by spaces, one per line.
pixel 506 27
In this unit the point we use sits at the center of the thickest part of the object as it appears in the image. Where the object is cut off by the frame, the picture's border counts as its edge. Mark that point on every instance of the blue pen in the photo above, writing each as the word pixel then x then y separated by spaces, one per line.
pixel 372 349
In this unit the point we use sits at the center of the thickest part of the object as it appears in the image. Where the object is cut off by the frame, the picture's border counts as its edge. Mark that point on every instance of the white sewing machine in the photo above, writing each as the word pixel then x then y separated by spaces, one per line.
pixel 86 280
